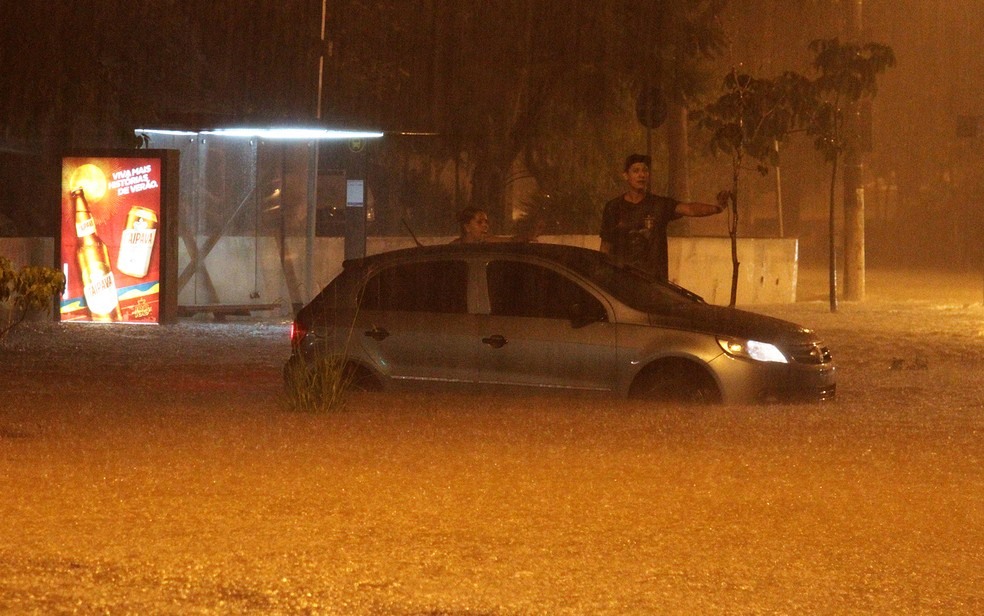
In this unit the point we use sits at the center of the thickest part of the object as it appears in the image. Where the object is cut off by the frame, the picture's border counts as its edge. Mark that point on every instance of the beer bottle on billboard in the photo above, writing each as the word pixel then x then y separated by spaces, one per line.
pixel 98 283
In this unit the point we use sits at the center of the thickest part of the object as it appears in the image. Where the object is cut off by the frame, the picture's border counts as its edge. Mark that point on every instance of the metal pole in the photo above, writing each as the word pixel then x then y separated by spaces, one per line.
pixel 321 57
pixel 312 188
pixel 310 231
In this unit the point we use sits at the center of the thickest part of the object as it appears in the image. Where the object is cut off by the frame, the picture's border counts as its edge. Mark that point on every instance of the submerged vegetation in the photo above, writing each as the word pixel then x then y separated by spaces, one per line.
pixel 319 385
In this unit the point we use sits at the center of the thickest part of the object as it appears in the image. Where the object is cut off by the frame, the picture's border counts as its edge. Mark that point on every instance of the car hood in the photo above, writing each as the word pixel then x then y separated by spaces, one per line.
pixel 720 320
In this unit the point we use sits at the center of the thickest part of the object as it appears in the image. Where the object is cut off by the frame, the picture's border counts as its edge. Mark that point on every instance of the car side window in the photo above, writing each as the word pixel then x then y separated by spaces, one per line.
pixel 519 289
pixel 436 286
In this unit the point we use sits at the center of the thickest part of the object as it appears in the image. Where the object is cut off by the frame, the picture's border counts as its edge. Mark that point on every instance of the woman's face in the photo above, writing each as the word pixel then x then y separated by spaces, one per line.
pixel 476 229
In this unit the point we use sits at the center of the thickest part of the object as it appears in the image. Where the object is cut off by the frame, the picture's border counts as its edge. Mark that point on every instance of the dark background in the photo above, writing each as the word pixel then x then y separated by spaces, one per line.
pixel 550 83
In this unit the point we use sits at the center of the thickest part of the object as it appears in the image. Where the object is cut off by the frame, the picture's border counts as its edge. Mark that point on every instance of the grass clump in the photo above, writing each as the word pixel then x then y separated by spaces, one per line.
pixel 319 385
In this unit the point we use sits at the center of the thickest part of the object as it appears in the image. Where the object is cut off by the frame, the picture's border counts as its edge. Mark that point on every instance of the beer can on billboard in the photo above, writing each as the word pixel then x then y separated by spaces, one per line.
pixel 137 242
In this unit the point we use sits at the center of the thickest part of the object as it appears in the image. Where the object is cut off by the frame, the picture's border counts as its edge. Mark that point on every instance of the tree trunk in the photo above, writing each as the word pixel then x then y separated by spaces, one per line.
pixel 853 226
pixel 733 227
pixel 853 181
pixel 678 180
pixel 833 238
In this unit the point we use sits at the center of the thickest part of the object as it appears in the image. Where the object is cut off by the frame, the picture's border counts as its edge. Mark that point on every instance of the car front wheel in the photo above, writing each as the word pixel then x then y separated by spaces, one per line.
pixel 678 381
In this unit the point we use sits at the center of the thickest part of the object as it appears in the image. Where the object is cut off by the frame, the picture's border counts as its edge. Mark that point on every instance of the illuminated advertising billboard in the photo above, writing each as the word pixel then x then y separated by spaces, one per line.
pixel 112 211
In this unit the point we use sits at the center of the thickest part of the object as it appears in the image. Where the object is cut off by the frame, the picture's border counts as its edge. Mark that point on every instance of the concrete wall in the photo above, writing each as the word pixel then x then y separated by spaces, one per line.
pixel 767 270
pixel 766 274
pixel 246 270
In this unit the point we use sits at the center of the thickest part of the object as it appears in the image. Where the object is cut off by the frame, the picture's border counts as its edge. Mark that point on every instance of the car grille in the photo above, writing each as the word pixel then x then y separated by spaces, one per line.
pixel 813 354
pixel 820 393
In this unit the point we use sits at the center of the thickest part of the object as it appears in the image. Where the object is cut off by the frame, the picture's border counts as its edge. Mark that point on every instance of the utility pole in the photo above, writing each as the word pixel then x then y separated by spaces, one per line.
pixel 854 266
pixel 312 185
pixel 322 49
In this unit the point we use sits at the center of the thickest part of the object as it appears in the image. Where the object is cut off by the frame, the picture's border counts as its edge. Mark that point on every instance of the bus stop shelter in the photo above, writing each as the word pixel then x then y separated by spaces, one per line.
pixel 254 204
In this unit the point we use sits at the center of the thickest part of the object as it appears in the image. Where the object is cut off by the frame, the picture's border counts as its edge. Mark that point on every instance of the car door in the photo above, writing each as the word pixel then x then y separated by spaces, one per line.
pixel 545 329
pixel 414 325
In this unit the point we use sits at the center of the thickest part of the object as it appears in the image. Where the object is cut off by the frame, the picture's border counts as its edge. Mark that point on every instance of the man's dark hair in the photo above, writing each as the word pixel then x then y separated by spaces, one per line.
pixel 632 159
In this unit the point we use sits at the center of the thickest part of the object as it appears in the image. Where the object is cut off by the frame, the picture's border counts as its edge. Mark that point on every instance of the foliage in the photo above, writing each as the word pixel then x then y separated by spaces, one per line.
pixel 847 72
pixel 491 79
pixel 547 85
pixel 681 35
pixel 87 74
pixel 755 115
pixel 575 152
pixel 752 117
pixel 319 385
pixel 320 382
pixel 30 289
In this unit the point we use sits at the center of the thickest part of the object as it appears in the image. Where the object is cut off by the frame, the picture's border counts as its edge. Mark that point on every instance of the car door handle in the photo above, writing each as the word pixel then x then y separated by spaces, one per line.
pixel 496 342
pixel 377 333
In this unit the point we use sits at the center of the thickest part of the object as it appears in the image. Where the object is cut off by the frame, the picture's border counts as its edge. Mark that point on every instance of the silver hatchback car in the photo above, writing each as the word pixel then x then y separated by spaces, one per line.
pixel 549 317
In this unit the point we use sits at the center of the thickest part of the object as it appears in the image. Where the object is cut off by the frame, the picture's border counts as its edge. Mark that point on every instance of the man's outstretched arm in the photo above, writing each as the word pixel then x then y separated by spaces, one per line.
pixel 697 208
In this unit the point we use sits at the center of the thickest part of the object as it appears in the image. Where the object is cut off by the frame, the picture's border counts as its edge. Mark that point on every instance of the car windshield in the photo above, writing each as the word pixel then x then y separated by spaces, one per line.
pixel 631 286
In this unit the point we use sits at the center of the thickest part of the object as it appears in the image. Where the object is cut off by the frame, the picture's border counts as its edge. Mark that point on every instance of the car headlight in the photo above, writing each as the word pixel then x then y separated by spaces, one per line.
pixel 752 349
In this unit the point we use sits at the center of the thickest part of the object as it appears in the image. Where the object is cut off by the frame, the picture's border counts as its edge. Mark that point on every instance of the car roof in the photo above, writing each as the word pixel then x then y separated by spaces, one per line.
pixel 573 257
pixel 557 252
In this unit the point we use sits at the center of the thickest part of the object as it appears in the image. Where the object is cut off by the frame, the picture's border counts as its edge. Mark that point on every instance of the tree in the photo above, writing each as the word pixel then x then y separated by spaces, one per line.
pixel 753 115
pixel 750 119
pixel 517 81
pixel 87 74
pixel 847 73
pixel 91 75
pixel 689 33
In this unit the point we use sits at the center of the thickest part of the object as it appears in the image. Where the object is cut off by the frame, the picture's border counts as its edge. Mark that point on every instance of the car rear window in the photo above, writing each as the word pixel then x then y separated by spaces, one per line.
pixel 433 286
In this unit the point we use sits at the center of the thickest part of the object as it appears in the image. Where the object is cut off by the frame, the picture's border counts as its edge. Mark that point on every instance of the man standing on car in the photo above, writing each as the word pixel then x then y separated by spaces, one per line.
pixel 633 225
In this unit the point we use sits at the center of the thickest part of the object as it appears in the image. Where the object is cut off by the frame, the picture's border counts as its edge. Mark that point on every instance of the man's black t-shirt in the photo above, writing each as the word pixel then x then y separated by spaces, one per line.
pixel 634 239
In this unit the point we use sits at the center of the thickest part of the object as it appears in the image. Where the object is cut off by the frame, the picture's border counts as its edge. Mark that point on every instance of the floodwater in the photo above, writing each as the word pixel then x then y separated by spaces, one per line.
pixel 158 471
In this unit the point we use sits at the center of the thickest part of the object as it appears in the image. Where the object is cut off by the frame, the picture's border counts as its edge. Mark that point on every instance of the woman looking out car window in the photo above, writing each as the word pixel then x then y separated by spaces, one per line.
pixel 474 225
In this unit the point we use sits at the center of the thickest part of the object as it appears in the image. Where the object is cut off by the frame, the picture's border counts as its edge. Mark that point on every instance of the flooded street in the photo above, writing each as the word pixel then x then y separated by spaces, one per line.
pixel 159 471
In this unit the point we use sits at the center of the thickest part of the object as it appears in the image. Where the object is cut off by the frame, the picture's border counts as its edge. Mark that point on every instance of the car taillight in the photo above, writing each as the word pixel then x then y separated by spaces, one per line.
pixel 297 333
